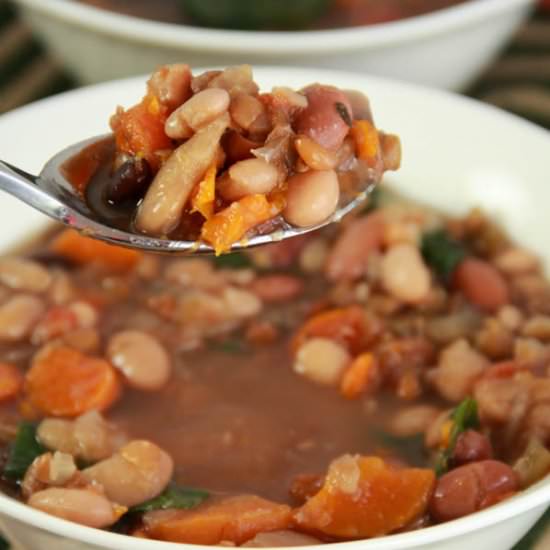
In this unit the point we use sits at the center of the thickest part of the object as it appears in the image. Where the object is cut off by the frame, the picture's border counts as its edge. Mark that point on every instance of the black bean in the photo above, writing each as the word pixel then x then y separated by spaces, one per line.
pixel 129 181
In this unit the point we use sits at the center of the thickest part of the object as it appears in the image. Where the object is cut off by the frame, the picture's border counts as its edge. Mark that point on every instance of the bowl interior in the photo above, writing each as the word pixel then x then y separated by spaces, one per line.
pixel 457 154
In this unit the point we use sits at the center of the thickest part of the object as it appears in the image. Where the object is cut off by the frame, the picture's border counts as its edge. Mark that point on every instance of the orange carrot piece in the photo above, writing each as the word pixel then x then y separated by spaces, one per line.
pixel 362 373
pixel 11 381
pixel 65 382
pixel 232 519
pixel 82 250
pixel 139 131
pixel 231 224
pixel 367 141
pixel 204 194
pixel 348 326
pixel 365 497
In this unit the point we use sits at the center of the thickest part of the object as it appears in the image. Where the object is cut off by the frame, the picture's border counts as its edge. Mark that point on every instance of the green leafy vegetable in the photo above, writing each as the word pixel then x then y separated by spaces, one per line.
pixel 24 450
pixel 464 417
pixel 236 260
pixel 181 498
pixel 228 346
pixel 442 252
pixel 411 446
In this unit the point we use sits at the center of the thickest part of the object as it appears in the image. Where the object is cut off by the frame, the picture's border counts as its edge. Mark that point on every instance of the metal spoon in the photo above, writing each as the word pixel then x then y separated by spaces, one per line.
pixel 52 194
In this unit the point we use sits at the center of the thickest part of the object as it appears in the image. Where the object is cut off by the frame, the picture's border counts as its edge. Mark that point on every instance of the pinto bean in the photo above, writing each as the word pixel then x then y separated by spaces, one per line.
pixel 171 84
pixel 22 274
pixel 322 360
pixel 141 358
pixel 138 472
pixel 247 177
pixel 277 288
pixel 196 112
pixel 471 446
pixel 320 120
pixel 349 256
pixel 162 207
pixel 471 488
pixel 312 197
pixel 404 273
pixel 18 316
pixel 314 155
pixel 82 506
pixel 245 109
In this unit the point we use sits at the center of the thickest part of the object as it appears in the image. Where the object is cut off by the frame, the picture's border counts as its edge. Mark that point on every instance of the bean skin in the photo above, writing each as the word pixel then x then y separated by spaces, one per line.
pixel 320 120
pixel 312 197
pixel 470 488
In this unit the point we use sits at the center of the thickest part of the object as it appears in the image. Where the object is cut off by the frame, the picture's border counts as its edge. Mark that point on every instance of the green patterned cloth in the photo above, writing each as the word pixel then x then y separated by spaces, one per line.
pixel 519 81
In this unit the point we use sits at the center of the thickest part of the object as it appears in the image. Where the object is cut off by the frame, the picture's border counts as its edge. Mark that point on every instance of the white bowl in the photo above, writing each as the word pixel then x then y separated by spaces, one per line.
pixel 457 154
pixel 446 49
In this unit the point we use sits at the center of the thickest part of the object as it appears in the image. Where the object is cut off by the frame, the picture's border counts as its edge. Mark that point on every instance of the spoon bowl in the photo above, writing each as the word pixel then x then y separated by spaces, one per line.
pixel 53 194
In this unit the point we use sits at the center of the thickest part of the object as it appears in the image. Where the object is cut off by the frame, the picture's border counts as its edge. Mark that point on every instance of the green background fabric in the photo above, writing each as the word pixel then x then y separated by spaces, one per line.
pixel 519 81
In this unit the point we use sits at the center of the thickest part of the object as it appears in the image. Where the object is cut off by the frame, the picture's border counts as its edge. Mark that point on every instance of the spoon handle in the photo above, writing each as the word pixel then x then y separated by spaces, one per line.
pixel 24 187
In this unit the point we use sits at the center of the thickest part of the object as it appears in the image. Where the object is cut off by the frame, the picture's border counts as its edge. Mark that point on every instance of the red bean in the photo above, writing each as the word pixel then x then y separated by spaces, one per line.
pixel 277 288
pixel 471 446
pixel 471 488
pixel 482 284
pixel 321 120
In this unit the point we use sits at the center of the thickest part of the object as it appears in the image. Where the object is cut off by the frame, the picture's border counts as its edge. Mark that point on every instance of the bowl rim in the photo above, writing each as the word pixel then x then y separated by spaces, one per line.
pixel 282 43
pixel 535 496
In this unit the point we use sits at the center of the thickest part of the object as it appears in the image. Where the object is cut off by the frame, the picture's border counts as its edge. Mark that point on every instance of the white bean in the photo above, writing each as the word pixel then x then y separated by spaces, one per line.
pixel 22 274
pixel 247 177
pixel 171 84
pixel 322 360
pixel 138 472
pixel 404 274
pixel 79 505
pixel 312 197
pixel 413 420
pixel 314 155
pixel 245 109
pixel 18 316
pixel 197 112
pixel 141 358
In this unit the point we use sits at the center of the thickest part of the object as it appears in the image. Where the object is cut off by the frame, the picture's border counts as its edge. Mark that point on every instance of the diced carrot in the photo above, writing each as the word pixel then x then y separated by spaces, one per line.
pixel 11 381
pixel 348 326
pixel 204 194
pixel 367 141
pixel 482 284
pixel 304 486
pixel 362 373
pixel 65 382
pixel 366 497
pixel 231 224
pixel 83 250
pixel 139 131
pixel 229 519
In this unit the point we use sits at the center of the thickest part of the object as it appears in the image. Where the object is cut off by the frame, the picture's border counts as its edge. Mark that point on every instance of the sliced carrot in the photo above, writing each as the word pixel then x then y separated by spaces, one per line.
pixel 65 382
pixel 11 381
pixel 228 519
pixel 231 224
pixel 367 141
pixel 204 194
pixel 366 497
pixel 348 326
pixel 83 250
pixel 139 131
pixel 362 373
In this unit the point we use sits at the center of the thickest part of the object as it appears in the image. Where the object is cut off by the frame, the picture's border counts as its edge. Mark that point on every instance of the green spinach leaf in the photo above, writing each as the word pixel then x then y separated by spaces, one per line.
pixel 181 498
pixel 442 253
pixel 24 450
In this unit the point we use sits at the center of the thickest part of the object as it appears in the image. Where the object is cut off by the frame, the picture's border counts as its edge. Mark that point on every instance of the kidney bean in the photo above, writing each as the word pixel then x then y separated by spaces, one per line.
pixel 138 472
pixel 82 506
pixel 197 112
pixel 312 197
pixel 321 120
pixel 22 274
pixel 130 181
pixel 482 284
pixel 141 358
pixel 314 155
pixel 277 288
pixel 171 84
pixel 247 177
pixel 471 446
pixel 470 488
